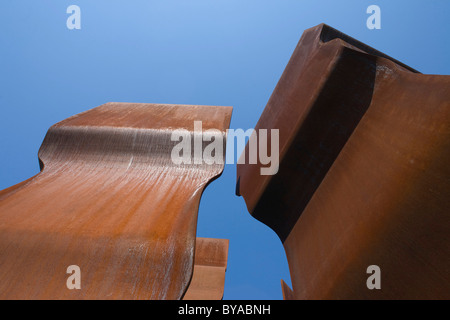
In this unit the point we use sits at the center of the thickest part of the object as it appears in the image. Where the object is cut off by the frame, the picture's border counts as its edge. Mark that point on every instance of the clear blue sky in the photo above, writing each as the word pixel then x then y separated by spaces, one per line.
pixel 209 52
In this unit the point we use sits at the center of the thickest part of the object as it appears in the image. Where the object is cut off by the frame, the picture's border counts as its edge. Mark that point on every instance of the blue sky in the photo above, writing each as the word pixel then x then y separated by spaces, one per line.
pixel 208 52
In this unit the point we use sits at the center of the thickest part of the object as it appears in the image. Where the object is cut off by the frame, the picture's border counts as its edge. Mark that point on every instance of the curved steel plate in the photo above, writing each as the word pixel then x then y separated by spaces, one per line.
pixel 110 200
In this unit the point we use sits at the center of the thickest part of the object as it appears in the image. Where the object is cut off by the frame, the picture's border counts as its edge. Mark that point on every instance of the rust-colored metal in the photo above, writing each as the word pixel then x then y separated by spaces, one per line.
pixel 110 200
pixel 208 280
pixel 364 176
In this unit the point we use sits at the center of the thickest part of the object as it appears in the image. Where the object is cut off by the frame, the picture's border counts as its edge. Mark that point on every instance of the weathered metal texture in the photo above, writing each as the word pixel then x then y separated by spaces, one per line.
pixel 110 200
pixel 208 280
pixel 364 176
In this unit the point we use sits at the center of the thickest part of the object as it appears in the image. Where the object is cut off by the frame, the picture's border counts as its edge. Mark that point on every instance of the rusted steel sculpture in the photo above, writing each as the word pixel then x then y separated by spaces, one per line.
pixel 364 174
pixel 208 280
pixel 110 200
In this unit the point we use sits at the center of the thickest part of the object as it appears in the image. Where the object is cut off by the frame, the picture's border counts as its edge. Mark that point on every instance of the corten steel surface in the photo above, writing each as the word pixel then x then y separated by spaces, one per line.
pixel 208 280
pixel 110 200
pixel 364 175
